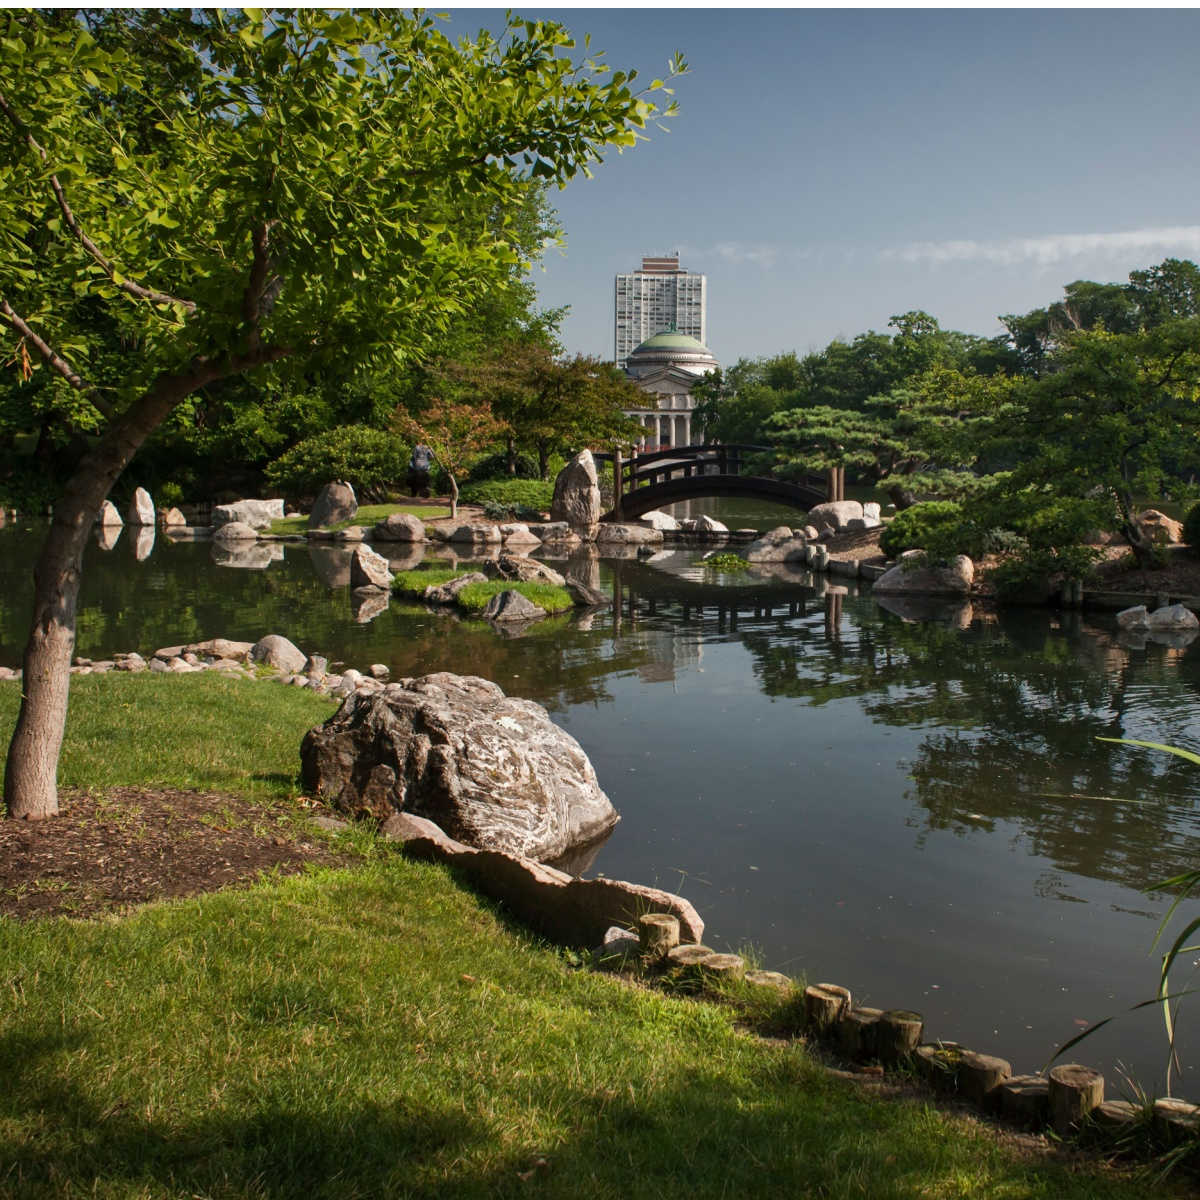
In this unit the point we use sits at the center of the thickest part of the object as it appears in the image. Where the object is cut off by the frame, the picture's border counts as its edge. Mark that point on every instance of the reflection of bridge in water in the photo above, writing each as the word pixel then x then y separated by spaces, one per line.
pixel 642 593
pixel 649 481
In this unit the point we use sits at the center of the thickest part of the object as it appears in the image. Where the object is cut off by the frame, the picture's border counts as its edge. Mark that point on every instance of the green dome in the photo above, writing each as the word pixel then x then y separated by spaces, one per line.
pixel 670 340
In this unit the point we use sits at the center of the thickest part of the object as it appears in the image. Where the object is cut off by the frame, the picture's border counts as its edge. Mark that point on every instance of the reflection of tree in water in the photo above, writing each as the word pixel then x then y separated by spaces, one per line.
pixel 1014 706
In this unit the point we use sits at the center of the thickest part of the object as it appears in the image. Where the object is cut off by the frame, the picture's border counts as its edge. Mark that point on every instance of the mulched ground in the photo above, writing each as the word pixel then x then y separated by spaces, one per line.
pixel 103 854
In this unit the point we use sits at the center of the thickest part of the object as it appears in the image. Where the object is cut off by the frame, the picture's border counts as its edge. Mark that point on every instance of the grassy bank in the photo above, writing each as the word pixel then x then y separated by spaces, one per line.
pixel 475 596
pixel 378 1031
pixel 368 514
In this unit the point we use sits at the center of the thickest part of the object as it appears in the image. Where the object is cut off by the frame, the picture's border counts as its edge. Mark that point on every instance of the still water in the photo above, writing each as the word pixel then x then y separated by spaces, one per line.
pixel 917 809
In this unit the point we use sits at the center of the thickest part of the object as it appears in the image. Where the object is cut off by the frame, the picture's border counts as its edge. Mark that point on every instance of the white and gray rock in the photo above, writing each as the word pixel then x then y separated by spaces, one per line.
pixel 707 524
pixel 334 504
pixel 368 569
pixel 400 527
pixel 276 651
pixel 871 511
pixel 659 520
pixel 368 602
pixel 557 531
pixel 518 534
pixel 627 535
pixel 109 517
pixel 778 545
pixel 352 533
pixel 811 532
pixel 558 905
pixel 447 593
pixel 577 495
pixel 510 606
pixel 910 577
pixel 522 569
pixel 141 508
pixel 586 596
pixel 235 531
pixel 831 517
pixel 1159 528
pixel 172 518
pixel 258 514
pixel 1172 618
pixel 1134 618
pixel 492 771
pixel 143 543
pixel 475 534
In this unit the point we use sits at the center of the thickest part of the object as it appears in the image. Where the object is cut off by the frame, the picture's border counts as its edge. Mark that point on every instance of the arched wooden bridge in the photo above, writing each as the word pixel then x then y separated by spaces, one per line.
pixel 648 481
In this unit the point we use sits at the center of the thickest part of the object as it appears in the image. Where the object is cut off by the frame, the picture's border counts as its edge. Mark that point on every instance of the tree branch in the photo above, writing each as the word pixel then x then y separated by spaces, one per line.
pixel 128 286
pixel 54 360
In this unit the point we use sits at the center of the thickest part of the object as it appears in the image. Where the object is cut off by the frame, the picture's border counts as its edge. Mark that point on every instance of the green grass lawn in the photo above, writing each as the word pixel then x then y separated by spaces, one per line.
pixel 475 596
pixel 380 1031
pixel 368 514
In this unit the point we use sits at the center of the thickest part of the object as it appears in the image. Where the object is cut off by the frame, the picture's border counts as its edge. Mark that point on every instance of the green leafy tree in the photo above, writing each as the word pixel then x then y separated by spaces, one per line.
pixel 219 191
pixel 1105 426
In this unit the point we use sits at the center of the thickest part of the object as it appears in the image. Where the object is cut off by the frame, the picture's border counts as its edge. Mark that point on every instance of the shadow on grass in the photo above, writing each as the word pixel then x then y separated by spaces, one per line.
pixel 791 1133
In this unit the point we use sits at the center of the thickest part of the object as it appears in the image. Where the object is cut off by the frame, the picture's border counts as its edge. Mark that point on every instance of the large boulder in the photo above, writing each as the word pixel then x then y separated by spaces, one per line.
pixel 400 527
pixel 707 524
pixel 577 495
pixel 832 516
pixel 334 504
pixel 914 577
pixel 141 508
pixel 778 545
pixel 492 771
pixel 276 651
pixel 517 533
pixel 1172 618
pixel 172 518
pixel 369 570
pixel 258 514
pixel 1159 528
pixel 475 534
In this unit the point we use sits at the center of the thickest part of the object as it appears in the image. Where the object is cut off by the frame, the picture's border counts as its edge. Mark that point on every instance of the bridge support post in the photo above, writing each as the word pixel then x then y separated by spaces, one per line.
pixel 618 483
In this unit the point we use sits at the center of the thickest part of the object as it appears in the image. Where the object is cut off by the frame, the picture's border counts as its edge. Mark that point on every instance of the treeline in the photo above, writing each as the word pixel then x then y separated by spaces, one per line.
pixel 1053 430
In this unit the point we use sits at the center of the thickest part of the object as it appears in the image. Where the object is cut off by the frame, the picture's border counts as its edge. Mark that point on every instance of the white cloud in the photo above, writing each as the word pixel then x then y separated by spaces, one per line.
pixel 758 254
pixel 1053 248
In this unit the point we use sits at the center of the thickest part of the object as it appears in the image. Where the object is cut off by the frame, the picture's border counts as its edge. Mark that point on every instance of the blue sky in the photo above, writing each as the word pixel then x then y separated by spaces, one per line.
pixel 829 168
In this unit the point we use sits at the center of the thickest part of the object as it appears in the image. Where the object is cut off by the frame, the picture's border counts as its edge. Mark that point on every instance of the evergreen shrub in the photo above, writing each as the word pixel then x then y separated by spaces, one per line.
pixel 936 526
pixel 370 460
pixel 510 494
pixel 1191 527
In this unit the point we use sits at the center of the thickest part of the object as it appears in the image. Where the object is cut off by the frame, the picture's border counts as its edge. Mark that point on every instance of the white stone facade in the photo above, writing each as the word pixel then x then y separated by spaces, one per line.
pixel 667 367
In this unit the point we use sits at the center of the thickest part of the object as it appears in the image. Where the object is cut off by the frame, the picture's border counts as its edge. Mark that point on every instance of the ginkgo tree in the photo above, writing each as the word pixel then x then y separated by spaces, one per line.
pixel 212 191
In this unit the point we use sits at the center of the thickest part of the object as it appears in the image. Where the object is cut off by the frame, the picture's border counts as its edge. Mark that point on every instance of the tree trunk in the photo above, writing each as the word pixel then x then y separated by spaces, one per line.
pixel 453 496
pixel 30 775
pixel 543 461
pixel 511 452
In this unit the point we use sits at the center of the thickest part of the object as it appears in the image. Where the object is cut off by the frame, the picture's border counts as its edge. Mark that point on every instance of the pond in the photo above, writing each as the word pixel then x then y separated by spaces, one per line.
pixel 917 809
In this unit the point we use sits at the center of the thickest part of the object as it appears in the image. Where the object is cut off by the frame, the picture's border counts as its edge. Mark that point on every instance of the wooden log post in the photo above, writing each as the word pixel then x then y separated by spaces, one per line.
pixel 1074 1092
pixel 1175 1121
pixel 979 1075
pixel 658 934
pixel 618 483
pixel 937 1063
pixel 1024 1100
pixel 898 1034
pixel 684 963
pixel 824 1004
pixel 718 968
pixel 855 1033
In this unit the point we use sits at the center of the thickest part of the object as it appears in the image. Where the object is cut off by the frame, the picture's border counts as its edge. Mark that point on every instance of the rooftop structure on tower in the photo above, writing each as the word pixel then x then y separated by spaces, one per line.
pixel 660 296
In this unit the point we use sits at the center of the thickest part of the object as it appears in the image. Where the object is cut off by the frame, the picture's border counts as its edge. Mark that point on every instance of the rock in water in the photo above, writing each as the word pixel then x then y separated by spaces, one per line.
pixel 109 517
pixel 917 579
pixel 492 771
pixel 577 495
pixel 141 508
pixel 258 514
pixel 276 651
pixel 511 606
pixel 334 504
pixel 368 569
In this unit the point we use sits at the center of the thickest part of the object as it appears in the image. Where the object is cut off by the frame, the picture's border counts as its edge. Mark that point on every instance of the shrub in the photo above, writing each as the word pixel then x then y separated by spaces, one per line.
pixel 1191 527
pixel 939 527
pixel 510 493
pixel 367 459
pixel 495 466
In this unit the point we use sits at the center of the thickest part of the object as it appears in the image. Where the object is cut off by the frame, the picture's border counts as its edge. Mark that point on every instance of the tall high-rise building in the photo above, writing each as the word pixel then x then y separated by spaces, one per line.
pixel 659 297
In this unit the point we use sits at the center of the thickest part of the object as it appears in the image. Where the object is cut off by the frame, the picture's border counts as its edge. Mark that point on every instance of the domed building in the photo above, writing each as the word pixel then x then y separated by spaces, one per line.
pixel 667 366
